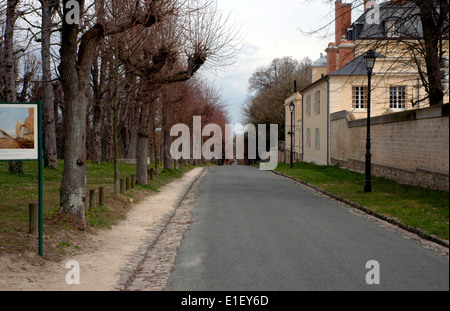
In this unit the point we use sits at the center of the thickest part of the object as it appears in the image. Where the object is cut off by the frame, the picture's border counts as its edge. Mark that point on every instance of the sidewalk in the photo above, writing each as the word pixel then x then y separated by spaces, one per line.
pixel 114 254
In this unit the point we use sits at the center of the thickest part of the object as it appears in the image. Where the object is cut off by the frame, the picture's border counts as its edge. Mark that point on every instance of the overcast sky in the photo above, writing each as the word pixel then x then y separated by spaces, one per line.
pixel 271 29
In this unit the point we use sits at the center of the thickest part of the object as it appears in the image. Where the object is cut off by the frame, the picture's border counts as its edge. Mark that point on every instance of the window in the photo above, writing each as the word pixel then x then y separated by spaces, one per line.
pixel 317 102
pixel 308 105
pixel 317 139
pixel 308 137
pixel 359 98
pixel 398 97
pixel 392 29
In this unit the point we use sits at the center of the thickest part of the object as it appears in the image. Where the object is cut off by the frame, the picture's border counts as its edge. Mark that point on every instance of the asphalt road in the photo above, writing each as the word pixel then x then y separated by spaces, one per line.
pixel 256 231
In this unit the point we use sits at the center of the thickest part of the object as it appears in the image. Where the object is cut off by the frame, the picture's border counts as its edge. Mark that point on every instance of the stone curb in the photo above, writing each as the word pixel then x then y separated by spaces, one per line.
pixel 369 211
pixel 130 271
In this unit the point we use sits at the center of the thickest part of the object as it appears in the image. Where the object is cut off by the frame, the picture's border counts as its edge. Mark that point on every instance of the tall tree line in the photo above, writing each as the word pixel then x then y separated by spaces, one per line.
pixel 113 76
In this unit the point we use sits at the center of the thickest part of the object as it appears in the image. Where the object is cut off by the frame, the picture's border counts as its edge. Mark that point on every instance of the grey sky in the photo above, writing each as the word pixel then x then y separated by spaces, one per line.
pixel 270 30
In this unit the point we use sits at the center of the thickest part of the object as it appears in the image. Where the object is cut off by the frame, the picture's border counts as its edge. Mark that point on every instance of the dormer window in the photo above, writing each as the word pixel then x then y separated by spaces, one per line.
pixel 392 28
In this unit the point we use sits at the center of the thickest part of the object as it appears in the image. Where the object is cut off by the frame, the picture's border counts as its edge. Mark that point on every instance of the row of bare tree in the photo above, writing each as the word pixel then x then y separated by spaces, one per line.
pixel 116 75
pixel 269 87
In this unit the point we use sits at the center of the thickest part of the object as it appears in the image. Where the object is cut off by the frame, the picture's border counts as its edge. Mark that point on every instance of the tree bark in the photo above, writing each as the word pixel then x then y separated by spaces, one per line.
pixel 98 77
pixel 142 145
pixel 431 37
pixel 166 138
pixel 49 127
pixel 15 167
pixel 75 72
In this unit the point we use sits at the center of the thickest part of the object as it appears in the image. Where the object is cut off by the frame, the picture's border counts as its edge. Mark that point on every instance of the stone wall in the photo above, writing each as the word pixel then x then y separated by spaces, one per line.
pixel 410 147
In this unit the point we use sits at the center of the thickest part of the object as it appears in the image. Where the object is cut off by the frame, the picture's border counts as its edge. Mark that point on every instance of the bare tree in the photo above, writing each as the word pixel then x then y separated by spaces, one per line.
pixel 77 57
pixel 270 86
pixel 416 32
pixel 49 8
pixel 163 64
pixel 9 65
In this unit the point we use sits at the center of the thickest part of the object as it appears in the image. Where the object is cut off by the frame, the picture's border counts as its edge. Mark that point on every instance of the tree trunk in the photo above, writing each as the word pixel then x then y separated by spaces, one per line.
pixel 49 127
pixel 166 138
pixel 15 167
pixel 142 146
pixel 116 118
pixel 9 58
pixel 98 77
pixel 431 37
pixel 155 149
pixel 75 72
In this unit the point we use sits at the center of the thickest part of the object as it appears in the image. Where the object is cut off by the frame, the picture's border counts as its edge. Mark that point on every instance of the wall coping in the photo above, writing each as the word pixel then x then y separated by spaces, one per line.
pixel 408 115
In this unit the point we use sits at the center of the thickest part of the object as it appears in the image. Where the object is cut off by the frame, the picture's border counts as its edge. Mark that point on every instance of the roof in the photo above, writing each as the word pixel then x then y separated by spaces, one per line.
pixel 321 62
pixel 355 67
pixel 324 78
pixel 373 25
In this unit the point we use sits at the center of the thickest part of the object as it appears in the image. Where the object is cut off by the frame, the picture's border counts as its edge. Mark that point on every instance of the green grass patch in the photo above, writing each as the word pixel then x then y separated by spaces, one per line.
pixel 413 206
pixel 18 191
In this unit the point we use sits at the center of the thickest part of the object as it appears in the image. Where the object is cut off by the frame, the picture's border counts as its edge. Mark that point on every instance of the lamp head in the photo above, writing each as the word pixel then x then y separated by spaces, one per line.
pixel 291 106
pixel 370 57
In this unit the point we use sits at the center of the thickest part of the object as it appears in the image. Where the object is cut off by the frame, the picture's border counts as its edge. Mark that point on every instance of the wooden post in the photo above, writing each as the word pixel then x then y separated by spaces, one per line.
pixel 122 185
pixel 127 183
pixel 101 196
pixel 133 181
pixel 92 199
pixel 151 174
pixel 33 218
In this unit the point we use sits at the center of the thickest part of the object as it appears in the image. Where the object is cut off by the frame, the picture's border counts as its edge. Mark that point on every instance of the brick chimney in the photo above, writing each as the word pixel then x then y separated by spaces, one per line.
pixel 369 4
pixel 343 19
pixel 332 57
pixel 346 53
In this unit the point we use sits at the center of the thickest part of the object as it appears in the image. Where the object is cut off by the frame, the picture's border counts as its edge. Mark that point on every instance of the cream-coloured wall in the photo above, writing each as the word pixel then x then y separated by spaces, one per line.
pixel 316 120
pixel 318 72
pixel 341 93
pixel 399 59
pixel 297 118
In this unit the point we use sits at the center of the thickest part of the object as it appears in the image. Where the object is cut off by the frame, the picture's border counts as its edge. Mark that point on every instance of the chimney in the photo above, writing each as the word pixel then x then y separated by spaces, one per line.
pixel 399 2
pixel 369 4
pixel 332 54
pixel 343 19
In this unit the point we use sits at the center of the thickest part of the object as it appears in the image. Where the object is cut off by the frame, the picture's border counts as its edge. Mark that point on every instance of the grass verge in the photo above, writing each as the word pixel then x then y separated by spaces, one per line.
pixel 415 207
pixel 63 234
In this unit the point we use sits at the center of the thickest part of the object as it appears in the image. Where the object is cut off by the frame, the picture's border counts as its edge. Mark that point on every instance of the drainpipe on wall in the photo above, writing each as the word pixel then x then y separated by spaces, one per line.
pixel 418 93
pixel 303 133
pixel 328 120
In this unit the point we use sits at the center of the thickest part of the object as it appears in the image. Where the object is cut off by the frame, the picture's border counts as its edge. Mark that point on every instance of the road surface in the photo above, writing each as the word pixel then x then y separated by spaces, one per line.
pixel 256 231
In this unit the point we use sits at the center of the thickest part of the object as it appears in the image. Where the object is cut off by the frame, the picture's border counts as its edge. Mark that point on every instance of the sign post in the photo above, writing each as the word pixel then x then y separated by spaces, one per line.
pixel 21 139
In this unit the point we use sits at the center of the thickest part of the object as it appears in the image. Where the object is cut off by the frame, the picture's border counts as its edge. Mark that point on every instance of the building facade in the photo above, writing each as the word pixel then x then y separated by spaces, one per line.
pixel 340 80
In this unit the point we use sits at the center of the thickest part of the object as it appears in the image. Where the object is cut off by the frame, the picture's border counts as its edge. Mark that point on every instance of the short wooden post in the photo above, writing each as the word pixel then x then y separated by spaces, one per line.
pixel 33 218
pixel 122 185
pixel 133 181
pixel 101 196
pixel 151 174
pixel 92 199
pixel 127 183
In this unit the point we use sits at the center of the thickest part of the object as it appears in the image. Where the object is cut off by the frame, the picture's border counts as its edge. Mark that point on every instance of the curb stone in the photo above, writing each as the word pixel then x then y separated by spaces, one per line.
pixel 371 212
pixel 129 272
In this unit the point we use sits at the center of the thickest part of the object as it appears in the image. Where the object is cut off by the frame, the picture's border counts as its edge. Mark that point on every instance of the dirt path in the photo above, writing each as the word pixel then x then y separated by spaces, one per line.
pixel 105 261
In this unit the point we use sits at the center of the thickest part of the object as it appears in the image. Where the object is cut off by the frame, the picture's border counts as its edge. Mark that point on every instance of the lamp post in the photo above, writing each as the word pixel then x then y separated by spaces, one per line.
pixel 291 108
pixel 370 62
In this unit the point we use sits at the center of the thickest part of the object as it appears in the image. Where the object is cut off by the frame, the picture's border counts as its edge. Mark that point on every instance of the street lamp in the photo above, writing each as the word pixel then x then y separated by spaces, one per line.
pixel 370 63
pixel 291 108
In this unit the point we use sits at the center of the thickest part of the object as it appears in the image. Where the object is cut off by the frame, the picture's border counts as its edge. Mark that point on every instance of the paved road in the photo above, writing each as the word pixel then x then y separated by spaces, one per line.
pixel 254 230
